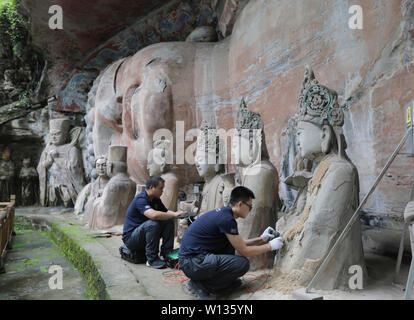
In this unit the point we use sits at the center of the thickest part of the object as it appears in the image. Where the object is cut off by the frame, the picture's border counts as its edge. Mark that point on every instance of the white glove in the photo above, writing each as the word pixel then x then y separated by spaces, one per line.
pixel 276 244
pixel 268 234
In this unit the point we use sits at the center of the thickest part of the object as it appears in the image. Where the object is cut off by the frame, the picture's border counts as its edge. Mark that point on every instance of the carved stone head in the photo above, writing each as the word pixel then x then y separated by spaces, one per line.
pixel 6 154
pixel 319 104
pixel 208 158
pixel 320 120
pixel 249 144
pixel 101 166
pixel 59 131
pixel 157 158
pixel 26 162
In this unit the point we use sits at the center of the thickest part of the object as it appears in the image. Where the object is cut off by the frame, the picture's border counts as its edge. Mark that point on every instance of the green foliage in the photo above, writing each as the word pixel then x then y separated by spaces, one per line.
pixel 12 23
pixel 31 262
pixel 43 269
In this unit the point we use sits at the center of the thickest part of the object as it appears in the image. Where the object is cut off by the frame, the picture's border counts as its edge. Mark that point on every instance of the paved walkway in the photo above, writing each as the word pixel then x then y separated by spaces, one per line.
pixel 27 270
pixel 124 280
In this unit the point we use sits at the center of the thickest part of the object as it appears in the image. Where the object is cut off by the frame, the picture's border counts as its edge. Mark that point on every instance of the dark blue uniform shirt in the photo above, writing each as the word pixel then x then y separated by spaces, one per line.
pixel 135 214
pixel 207 233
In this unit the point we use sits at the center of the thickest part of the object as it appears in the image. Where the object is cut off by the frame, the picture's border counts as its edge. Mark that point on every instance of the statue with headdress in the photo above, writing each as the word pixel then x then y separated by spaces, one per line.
pixel 158 164
pixel 329 195
pixel 159 159
pixel 60 168
pixel 6 175
pixel 29 184
pixel 259 175
pixel 109 210
pixel 210 164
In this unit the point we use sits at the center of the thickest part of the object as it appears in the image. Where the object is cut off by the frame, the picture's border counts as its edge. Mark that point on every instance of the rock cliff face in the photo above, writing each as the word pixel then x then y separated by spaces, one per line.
pixel 372 69
pixel 99 32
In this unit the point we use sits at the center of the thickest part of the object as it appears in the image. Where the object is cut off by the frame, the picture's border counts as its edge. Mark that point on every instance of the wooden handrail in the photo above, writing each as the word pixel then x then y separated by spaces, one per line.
pixel 11 203
pixel 6 228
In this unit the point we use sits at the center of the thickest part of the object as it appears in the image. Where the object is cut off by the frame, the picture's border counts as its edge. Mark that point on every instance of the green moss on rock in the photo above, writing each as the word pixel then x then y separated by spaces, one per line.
pixel 82 261
pixel 66 238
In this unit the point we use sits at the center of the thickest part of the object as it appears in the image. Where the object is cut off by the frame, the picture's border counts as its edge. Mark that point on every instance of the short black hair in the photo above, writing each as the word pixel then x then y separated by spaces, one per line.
pixel 240 193
pixel 153 181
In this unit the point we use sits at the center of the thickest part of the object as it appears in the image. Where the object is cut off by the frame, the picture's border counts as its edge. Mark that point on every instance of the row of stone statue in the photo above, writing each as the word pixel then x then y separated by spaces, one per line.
pixel 28 180
pixel 326 198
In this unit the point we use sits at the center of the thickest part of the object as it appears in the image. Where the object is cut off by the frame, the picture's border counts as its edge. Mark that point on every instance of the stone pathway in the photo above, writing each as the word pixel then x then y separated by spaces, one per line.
pixel 27 270
pixel 124 280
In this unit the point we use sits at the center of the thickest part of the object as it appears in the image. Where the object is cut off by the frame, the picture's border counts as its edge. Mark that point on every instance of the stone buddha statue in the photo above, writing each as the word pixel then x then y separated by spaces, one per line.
pixel 6 175
pixel 298 180
pixel 29 184
pixel 158 166
pixel 210 165
pixel 60 167
pixel 93 190
pixel 109 210
pixel 332 195
pixel 259 175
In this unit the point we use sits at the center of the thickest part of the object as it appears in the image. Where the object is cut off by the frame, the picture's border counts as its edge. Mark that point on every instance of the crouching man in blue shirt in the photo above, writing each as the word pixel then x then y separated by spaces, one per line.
pixel 207 249
pixel 147 220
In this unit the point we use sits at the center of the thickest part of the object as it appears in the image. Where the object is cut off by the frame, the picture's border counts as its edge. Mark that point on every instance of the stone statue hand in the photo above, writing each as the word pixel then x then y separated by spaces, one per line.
pixel 195 205
pixel 276 244
pixel 179 213
pixel 189 206
pixel 268 234
pixel 54 154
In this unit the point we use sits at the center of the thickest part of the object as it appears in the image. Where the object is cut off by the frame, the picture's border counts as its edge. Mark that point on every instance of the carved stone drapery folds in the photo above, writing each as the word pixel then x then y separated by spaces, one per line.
pixel 61 168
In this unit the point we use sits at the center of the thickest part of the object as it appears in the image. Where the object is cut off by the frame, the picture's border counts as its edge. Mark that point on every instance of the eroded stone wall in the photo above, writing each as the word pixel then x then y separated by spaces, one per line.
pixel 372 70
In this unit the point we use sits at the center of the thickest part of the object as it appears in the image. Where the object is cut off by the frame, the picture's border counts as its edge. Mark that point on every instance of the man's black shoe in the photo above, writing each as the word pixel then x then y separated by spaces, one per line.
pixel 232 287
pixel 199 292
pixel 133 257
pixel 157 264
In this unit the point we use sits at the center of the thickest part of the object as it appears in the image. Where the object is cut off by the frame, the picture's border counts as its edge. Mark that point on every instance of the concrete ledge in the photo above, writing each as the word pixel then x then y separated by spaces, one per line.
pixel 106 276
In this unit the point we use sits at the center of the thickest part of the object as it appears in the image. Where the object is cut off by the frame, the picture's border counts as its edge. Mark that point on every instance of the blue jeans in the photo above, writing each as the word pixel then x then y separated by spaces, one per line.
pixel 146 238
pixel 214 272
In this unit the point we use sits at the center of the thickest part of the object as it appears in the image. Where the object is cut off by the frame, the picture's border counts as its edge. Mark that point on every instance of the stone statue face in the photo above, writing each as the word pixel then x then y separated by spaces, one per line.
pixel 245 152
pixel 5 156
pixel 310 138
pixel 101 167
pixel 26 163
pixel 58 138
pixel 156 161
pixel 202 164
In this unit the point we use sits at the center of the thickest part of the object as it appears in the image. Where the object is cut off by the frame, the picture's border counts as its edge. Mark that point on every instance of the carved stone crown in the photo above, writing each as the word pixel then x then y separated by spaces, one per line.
pixel 61 124
pixel 210 142
pixel 208 137
pixel 247 119
pixel 162 144
pixel 318 103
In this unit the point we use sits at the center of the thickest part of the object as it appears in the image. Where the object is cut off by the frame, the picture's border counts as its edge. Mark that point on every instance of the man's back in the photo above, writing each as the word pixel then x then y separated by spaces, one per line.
pixel 207 233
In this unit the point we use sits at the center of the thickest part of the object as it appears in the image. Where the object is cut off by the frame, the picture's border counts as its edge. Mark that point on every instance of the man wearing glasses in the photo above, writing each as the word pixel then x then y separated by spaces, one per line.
pixel 207 251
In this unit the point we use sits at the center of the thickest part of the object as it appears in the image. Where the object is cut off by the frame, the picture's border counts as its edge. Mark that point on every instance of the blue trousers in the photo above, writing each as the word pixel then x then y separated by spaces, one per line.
pixel 214 272
pixel 146 238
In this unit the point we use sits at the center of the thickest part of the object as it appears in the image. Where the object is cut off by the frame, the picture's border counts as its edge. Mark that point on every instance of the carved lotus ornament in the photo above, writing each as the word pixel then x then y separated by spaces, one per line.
pixel 319 103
